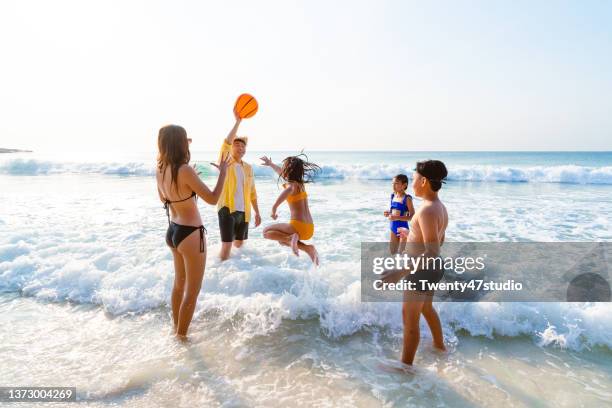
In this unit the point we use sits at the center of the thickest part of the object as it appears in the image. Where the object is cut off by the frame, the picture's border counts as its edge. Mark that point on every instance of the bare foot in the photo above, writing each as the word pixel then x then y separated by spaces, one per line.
pixel 396 367
pixel 312 253
pixel 439 348
pixel 294 244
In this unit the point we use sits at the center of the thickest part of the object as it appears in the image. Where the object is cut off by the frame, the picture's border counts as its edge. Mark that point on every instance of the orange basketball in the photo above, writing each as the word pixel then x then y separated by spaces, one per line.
pixel 246 106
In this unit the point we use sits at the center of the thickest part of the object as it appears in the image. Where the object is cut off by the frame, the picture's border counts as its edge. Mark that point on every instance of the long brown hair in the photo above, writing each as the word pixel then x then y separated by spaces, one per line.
pixel 298 170
pixel 173 150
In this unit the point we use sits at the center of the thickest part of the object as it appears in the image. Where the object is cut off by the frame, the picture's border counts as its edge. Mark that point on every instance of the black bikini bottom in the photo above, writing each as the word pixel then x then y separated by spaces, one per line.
pixel 177 233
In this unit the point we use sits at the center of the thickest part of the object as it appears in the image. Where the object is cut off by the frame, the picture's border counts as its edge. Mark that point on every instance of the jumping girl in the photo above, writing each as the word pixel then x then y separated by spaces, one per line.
pixel 295 172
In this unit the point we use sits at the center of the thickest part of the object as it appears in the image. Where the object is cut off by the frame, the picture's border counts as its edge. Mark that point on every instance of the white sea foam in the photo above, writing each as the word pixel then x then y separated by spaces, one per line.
pixel 99 240
pixel 572 174
pixel 257 299
pixel 539 174
pixel 544 174
pixel 33 167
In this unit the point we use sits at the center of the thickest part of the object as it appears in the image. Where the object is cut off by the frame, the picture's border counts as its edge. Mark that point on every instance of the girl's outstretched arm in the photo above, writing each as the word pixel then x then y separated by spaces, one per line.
pixel 282 197
pixel 267 161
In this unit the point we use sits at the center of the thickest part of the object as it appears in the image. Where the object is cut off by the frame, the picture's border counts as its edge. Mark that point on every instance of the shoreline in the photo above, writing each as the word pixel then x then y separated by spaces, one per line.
pixel 4 150
pixel 351 370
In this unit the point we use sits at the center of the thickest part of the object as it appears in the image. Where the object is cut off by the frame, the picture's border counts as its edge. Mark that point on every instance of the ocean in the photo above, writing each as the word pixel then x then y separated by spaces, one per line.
pixel 85 282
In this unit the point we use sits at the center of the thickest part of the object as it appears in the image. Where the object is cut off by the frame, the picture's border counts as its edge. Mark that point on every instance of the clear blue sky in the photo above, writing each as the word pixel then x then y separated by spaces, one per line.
pixel 453 75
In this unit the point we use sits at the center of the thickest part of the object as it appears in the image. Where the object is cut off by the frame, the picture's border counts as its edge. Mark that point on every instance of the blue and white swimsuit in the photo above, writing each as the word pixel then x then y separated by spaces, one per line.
pixel 403 209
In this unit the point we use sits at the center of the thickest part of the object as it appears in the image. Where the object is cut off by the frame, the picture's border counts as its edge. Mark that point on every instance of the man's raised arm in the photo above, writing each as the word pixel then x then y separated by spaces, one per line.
pixel 229 139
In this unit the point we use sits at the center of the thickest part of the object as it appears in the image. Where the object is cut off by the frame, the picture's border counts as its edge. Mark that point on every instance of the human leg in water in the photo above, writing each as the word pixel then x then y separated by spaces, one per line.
pixel 195 262
pixel 284 234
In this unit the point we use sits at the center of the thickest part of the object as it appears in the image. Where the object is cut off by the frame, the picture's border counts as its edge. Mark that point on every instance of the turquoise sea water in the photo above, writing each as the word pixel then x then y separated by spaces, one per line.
pixel 85 282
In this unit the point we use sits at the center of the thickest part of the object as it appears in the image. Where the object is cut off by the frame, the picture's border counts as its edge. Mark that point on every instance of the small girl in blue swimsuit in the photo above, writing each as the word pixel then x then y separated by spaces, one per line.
pixel 400 212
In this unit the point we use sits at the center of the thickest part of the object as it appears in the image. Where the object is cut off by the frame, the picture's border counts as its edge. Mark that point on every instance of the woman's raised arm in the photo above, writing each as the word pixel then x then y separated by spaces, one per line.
pixel 201 189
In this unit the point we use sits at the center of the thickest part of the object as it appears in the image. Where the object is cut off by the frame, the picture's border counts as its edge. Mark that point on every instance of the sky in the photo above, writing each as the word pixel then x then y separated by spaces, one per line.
pixel 342 75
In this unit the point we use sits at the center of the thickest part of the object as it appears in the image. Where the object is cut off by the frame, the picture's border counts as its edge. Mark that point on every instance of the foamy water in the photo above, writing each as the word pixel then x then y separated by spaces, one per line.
pixel 341 169
pixel 82 242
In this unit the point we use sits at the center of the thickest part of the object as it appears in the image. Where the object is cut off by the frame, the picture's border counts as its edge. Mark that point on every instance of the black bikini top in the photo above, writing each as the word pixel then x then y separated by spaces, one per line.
pixel 168 202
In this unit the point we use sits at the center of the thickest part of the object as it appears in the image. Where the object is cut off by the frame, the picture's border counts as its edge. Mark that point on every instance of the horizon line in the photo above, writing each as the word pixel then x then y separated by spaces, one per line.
pixel 23 150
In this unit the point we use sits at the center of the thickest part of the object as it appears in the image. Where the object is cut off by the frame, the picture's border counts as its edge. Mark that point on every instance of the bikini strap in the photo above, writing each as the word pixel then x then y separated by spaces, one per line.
pixel 405 203
pixel 202 232
pixel 168 202
pixel 193 194
pixel 167 208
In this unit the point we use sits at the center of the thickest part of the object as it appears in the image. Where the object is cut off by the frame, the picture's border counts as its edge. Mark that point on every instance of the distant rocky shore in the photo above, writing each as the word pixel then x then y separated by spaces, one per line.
pixel 2 150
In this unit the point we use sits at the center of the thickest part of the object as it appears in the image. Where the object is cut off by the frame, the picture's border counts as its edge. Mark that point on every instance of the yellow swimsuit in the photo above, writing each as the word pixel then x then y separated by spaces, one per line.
pixel 305 230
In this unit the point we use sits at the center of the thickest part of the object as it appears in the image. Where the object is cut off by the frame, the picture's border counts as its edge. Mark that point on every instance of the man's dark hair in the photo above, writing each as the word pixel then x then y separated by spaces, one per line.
pixel 434 171
pixel 402 178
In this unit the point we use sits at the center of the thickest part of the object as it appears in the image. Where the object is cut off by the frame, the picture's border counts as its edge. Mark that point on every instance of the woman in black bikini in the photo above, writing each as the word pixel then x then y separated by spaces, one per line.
pixel 178 184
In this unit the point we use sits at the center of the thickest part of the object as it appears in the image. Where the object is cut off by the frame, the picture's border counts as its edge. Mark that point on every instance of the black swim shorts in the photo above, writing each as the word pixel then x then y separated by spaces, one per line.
pixel 232 226
pixel 432 274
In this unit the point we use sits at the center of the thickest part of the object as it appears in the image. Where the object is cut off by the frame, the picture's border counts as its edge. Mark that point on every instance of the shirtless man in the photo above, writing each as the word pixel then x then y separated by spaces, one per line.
pixel 424 239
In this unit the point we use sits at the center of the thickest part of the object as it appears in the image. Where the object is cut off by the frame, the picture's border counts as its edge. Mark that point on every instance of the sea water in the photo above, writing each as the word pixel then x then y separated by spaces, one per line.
pixel 85 282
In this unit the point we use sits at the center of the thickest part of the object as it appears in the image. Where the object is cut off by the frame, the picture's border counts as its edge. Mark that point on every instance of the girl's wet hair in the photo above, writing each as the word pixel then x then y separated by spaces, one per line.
pixel 173 147
pixel 402 178
pixel 298 169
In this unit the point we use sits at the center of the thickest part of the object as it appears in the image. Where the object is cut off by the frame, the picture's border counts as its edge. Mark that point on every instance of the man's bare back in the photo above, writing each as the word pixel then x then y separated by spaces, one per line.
pixel 437 220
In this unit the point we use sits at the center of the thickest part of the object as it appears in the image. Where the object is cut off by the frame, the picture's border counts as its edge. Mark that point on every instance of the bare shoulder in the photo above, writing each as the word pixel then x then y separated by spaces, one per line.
pixel 186 171
pixel 295 187
pixel 437 212
pixel 432 211
pixel 428 209
pixel 417 214
pixel 444 214
pixel 185 168
pixel 442 209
